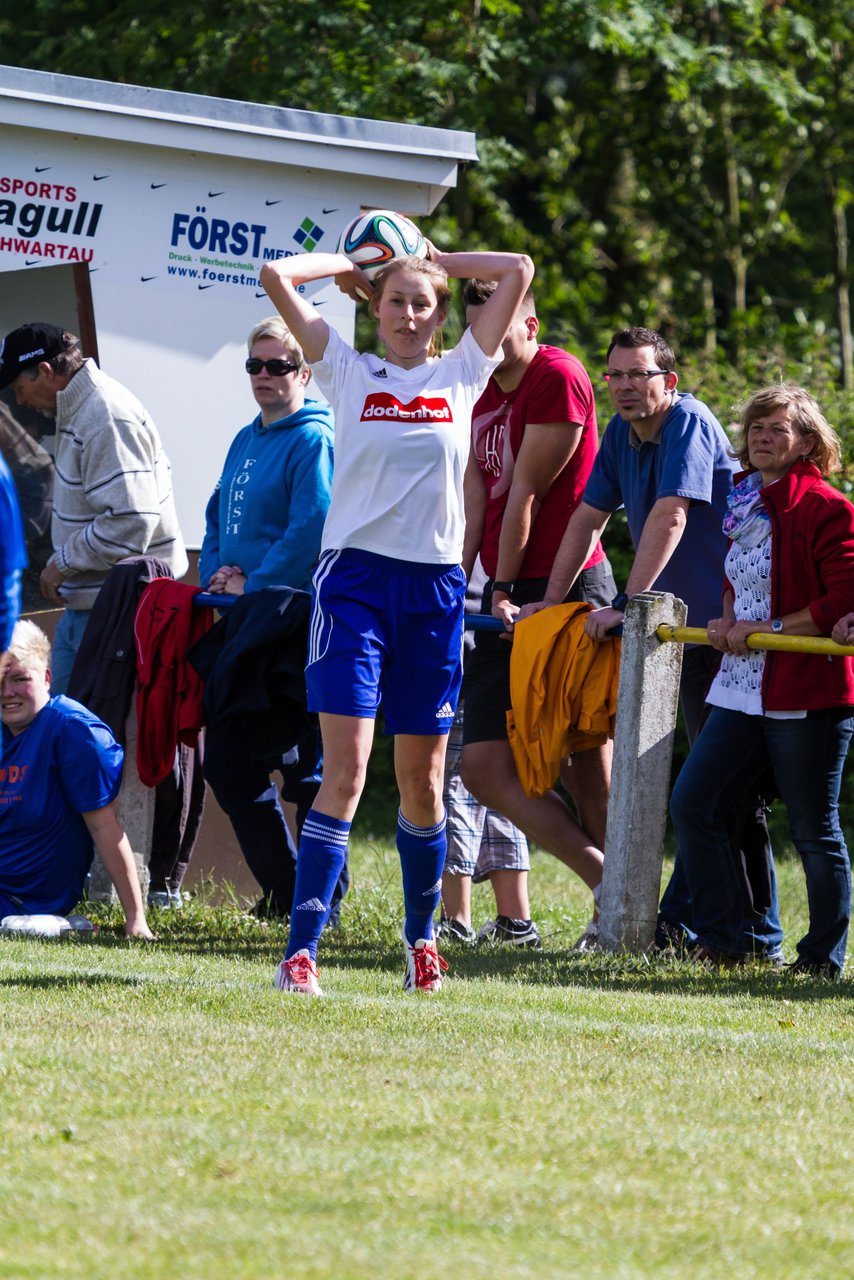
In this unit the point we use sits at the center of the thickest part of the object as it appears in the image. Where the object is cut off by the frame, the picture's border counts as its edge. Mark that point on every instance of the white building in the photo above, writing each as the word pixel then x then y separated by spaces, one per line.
pixel 140 218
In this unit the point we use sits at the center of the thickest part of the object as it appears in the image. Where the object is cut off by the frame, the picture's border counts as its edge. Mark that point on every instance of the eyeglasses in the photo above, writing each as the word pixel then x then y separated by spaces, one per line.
pixel 275 368
pixel 637 376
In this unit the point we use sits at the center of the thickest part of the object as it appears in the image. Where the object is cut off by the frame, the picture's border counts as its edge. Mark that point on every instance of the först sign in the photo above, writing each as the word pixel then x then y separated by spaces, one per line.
pixel 151 224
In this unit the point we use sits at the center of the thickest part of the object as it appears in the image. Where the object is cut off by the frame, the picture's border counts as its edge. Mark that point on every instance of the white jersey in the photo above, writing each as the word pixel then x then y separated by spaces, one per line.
pixel 401 445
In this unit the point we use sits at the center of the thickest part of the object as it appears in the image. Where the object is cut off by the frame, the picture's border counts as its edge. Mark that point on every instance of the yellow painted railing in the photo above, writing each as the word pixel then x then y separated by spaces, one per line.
pixel 762 640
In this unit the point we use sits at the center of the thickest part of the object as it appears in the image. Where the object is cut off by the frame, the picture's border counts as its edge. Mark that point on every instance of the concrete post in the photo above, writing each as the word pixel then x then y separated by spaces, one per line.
pixel 643 749
pixel 135 807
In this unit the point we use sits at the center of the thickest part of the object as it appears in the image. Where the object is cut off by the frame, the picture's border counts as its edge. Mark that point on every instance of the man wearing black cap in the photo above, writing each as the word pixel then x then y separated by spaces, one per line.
pixel 112 489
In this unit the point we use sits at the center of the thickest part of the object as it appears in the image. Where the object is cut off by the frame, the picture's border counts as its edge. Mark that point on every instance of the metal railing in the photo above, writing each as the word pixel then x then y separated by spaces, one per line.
pixel 473 621
pixel 762 640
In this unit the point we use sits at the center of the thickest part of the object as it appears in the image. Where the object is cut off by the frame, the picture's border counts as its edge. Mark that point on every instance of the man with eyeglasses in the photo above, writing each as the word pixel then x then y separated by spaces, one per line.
pixel 665 459
pixel 112 494
pixel 263 526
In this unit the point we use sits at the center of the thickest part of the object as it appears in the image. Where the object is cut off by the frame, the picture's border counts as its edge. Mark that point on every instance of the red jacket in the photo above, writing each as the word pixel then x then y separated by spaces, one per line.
pixel 812 566
pixel 169 695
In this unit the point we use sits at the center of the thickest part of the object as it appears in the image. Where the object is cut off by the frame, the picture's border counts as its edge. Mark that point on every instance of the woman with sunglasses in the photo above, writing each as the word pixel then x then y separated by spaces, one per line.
pixel 263 528
pixel 265 516
pixel 389 590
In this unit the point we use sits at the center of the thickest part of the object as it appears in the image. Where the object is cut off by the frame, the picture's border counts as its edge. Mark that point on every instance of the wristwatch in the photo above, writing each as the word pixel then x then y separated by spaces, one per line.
pixel 509 587
pixel 620 601
pixel 777 626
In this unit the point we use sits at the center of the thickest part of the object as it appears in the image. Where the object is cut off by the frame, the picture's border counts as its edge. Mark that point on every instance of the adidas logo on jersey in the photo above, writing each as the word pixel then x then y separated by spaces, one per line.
pixel 379 373
pixel 446 710
pixel 382 404
pixel 313 904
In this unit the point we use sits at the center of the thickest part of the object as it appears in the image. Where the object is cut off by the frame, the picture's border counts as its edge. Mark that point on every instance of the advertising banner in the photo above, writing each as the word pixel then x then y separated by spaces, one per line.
pixel 152 224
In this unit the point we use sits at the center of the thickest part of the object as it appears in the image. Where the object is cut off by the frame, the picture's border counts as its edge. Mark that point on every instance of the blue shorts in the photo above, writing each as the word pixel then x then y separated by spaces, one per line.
pixel 386 629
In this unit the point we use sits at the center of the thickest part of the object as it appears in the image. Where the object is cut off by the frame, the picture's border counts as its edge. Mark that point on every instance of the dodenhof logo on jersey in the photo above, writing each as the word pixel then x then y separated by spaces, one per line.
pixel 384 405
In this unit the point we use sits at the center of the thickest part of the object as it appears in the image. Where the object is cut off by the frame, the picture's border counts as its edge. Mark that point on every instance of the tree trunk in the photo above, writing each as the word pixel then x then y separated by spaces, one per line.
pixel 710 340
pixel 842 288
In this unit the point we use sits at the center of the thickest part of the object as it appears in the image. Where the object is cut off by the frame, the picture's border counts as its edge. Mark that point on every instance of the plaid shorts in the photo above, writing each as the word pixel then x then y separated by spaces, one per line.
pixel 480 840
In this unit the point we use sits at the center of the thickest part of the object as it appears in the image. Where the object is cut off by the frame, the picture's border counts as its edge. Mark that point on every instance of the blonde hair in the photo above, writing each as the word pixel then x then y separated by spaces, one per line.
pixel 274 327
pixel 437 276
pixel 805 415
pixel 29 644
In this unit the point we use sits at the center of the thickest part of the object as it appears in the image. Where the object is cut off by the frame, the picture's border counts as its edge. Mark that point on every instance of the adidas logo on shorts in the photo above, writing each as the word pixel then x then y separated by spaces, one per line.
pixel 446 710
pixel 313 904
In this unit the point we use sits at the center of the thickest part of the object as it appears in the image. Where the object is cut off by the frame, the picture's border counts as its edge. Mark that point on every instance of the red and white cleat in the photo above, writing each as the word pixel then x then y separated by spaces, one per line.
pixel 424 966
pixel 299 974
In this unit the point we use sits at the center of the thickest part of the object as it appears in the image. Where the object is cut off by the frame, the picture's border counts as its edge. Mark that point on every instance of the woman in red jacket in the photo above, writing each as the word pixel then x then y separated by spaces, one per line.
pixel 790 571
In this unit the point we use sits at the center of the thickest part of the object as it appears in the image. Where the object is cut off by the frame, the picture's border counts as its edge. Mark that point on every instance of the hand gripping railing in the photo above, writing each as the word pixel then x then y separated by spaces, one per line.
pixel 762 640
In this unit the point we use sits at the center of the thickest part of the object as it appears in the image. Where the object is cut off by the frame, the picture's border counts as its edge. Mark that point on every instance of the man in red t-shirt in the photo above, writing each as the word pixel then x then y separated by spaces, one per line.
pixel 534 440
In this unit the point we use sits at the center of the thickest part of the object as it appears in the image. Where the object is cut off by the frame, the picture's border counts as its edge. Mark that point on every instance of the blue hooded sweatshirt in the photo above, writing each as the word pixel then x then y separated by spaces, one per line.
pixel 266 514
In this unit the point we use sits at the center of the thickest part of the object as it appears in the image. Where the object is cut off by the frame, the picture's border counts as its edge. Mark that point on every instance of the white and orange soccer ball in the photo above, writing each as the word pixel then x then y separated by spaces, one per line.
pixel 374 239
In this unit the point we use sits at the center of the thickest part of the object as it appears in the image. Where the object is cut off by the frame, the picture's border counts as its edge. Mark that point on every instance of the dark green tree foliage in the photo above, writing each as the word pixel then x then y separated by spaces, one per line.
pixel 684 164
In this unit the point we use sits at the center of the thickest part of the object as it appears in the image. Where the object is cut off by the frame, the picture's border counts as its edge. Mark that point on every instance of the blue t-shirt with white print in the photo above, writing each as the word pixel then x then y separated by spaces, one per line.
pixel 64 764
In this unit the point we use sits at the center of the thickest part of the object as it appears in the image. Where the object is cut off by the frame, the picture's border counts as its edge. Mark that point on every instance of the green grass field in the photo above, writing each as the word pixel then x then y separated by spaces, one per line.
pixel 166 1112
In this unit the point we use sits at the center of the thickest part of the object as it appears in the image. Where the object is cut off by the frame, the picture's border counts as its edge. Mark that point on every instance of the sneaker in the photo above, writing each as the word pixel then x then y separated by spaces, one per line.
pixel 424 965
pixel 768 960
pixel 81 925
pixel 710 958
pixel 165 899
pixel 455 931
pixel 299 974
pixel 515 933
pixel 669 940
pixel 36 926
pixel 589 940
pixel 823 970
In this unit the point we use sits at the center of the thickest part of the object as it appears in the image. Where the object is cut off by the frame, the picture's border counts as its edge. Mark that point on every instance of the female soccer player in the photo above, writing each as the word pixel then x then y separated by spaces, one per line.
pixel 388 608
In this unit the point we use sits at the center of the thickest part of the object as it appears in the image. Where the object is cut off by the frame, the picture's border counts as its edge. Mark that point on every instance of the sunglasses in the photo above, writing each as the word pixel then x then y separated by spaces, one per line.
pixel 275 368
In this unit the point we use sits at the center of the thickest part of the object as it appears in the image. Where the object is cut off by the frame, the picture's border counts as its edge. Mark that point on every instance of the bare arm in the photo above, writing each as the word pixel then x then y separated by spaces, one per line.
pixel 661 535
pixel 114 847
pixel 513 273
pixel 546 448
pixel 282 278
pixel 801 623
pixel 474 493
pixel 585 527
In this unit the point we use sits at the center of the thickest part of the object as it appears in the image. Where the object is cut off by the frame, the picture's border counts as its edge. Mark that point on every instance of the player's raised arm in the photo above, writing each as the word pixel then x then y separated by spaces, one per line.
pixel 281 280
pixel 513 273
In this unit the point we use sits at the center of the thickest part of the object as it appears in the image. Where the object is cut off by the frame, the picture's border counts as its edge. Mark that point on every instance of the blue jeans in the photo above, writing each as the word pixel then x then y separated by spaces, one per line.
pixel 66 642
pixel 761 934
pixel 807 757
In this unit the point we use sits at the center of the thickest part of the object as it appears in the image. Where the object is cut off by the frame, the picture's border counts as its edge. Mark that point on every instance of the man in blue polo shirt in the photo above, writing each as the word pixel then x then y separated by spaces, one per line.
pixel 665 458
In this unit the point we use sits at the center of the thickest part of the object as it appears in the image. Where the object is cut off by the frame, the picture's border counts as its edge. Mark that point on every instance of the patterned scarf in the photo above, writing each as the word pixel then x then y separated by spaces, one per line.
pixel 747 520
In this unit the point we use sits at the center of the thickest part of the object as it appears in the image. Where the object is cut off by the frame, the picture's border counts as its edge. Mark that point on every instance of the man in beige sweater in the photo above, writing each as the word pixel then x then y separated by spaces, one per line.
pixel 112 490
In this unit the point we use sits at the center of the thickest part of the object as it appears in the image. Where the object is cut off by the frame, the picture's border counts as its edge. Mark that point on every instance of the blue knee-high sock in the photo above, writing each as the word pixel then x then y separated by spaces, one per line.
pixel 322 853
pixel 422 861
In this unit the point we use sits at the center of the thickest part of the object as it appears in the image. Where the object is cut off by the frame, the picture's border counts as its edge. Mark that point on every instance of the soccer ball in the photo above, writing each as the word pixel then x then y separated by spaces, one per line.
pixel 374 239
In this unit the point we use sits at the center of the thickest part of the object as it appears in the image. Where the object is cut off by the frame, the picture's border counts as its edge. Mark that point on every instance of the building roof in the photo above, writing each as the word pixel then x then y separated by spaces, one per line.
pixel 245 130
